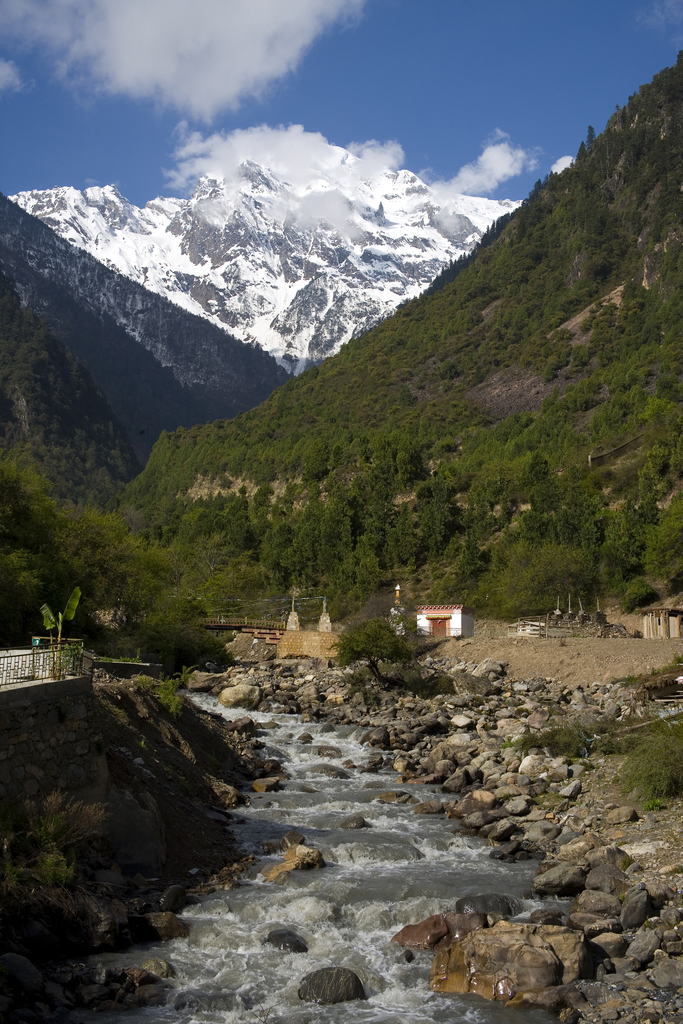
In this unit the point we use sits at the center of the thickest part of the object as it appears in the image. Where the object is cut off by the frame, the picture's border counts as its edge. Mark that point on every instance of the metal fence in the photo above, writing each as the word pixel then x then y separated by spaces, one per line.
pixel 29 664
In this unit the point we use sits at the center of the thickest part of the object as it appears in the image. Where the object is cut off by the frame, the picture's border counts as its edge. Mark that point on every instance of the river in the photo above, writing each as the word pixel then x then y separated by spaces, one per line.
pixel 401 870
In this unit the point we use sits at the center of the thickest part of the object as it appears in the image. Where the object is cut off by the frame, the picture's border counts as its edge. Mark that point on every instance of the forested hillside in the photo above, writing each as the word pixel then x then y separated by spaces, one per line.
pixel 52 413
pixel 451 443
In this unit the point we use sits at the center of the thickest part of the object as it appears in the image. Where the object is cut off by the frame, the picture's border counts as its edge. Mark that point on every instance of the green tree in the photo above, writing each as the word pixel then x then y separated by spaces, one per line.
pixel 373 642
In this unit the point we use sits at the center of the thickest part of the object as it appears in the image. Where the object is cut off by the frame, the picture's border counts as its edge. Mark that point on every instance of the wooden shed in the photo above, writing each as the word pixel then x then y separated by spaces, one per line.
pixel 445 620
pixel 662 623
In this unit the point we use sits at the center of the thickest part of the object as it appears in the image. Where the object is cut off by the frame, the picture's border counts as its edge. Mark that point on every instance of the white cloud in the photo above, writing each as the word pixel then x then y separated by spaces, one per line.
pixel 10 79
pixel 561 164
pixel 200 56
pixel 298 156
pixel 499 162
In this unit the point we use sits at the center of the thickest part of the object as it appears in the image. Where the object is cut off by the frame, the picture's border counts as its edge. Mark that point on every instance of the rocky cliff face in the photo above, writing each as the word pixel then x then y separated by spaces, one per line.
pixel 297 269
pixel 159 365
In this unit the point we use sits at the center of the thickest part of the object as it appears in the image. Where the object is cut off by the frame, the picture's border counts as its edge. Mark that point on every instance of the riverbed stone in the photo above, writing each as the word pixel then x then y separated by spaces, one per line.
pixel 594 901
pixel 429 807
pixel 292 838
pixel 167 925
pixel 622 815
pixel 266 785
pixel 174 898
pixel 668 974
pixel 423 935
pixel 644 945
pixel 636 909
pixel 331 985
pixel 243 695
pixel 608 878
pixel 25 974
pixel 161 968
pixel 355 821
pixel 286 940
pixel 562 880
pixel 610 944
pixel 488 903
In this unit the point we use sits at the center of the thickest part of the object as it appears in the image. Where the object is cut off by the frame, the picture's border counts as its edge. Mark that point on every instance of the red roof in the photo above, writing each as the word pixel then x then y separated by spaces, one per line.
pixel 444 608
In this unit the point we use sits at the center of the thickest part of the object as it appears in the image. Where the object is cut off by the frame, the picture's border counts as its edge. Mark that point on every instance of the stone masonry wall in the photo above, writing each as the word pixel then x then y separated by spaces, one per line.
pixel 306 643
pixel 50 740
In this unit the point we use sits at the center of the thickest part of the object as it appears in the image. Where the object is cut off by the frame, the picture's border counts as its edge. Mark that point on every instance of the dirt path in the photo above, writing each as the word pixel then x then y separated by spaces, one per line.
pixel 574 660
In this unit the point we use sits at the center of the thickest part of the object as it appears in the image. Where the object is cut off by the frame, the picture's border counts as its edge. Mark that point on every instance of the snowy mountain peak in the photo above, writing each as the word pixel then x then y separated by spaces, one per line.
pixel 296 264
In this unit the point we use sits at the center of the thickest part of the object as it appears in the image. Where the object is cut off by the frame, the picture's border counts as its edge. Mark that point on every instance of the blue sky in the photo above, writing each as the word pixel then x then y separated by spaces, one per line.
pixel 121 91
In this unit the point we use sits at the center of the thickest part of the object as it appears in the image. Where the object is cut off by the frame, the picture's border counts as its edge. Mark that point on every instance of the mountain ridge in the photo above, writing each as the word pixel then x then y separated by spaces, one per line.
pixel 297 268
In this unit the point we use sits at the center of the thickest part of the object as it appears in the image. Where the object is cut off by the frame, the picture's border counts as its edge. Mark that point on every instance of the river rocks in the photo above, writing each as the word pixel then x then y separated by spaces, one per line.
pixel 478 800
pixel 644 945
pixel 174 898
pixel 488 903
pixel 423 935
pixel 572 790
pixel 331 985
pixel 378 737
pixel 503 829
pixel 518 806
pixel 596 902
pixel 267 785
pixel 108 877
pixel 498 962
pixel 540 830
pixel 160 968
pixel 243 695
pixel 298 858
pixel 561 880
pixel 355 821
pixel 24 974
pixel 245 727
pixel 621 815
pixel 636 909
pixel 292 838
pixel 610 944
pixel 286 940
pixel 328 751
pixel 495 964
pixel 668 974
pixel 429 807
pixel 330 770
pixel 167 925
pixel 608 878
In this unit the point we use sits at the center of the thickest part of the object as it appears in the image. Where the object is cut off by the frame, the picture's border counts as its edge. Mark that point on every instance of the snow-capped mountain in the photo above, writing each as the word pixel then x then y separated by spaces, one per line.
pixel 297 269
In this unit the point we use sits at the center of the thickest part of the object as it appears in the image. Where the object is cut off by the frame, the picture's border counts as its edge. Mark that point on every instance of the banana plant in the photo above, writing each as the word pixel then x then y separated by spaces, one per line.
pixel 52 621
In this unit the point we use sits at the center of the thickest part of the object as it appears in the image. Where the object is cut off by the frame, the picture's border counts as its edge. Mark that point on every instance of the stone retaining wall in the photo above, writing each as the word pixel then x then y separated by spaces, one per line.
pixel 306 643
pixel 50 740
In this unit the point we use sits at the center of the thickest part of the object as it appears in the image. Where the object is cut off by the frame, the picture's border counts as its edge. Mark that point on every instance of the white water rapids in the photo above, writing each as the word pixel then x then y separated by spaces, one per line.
pixel 401 870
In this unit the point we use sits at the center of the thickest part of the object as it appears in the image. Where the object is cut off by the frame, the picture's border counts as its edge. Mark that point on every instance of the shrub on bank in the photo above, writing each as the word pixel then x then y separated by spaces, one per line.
pixel 654 765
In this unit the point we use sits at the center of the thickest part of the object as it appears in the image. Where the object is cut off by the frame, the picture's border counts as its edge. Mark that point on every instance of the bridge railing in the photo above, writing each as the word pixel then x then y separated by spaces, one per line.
pixel 31 664
pixel 218 619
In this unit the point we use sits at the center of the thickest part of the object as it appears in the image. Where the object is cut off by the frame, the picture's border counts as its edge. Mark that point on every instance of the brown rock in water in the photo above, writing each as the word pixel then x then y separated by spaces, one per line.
pixel 460 925
pixel 298 858
pixel 496 964
pixel 509 958
pixel 423 935
pixel 477 800
pixel 167 925
pixel 429 807
pixel 265 785
pixel 292 838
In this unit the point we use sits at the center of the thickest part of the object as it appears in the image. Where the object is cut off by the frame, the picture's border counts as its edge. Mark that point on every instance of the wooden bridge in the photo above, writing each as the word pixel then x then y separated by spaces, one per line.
pixel 269 630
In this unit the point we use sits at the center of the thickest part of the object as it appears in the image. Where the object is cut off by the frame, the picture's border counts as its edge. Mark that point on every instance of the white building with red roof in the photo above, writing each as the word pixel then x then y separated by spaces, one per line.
pixel 445 620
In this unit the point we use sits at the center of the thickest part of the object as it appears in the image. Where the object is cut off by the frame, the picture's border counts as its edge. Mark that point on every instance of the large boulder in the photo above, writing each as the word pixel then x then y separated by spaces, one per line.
pixel 668 974
pixel 174 898
pixel 24 974
pixel 243 695
pixel 509 958
pixel 496 963
pixel 331 985
pixel 561 880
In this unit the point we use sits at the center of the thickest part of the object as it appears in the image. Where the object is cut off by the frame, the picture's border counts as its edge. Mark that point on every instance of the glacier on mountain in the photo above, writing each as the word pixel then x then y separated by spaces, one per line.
pixel 295 269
